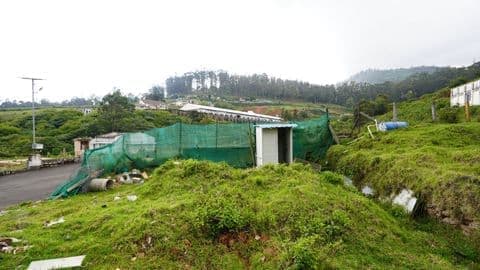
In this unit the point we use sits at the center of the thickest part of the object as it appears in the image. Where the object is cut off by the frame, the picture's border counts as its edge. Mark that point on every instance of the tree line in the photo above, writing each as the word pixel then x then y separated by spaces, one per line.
pixel 221 83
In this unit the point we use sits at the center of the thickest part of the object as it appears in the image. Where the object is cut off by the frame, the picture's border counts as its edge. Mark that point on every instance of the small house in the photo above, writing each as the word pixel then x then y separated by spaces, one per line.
pixel 274 143
pixel 80 145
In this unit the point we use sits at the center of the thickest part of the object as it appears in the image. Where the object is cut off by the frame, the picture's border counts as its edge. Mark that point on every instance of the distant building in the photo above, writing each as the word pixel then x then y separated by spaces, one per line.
pixel 80 145
pixel 231 115
pixel 103 140
pixel 148 104
pixel 469 91
pixel 87 111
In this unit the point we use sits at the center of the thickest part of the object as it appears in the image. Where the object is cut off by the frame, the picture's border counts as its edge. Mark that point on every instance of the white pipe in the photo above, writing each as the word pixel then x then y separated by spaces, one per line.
pixel 369 131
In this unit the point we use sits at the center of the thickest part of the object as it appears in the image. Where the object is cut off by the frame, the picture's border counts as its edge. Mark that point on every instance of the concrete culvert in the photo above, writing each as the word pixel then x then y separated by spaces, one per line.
pixel 100 184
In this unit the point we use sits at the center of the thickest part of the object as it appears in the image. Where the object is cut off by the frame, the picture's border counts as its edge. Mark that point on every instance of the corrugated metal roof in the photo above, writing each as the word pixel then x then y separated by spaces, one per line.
pixel 282 125
pixel 195 107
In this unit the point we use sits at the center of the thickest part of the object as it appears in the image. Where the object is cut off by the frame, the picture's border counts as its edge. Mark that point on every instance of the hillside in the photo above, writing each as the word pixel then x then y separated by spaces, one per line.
pixel 418 111
pixel 374 76
pixel 438 160
pixel 397 84
pixel 203 215
pixel 57 127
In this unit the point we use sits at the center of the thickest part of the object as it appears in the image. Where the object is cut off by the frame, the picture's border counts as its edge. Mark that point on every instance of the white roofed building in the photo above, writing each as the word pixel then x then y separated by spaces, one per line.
pixel 232 115
pixel 470 91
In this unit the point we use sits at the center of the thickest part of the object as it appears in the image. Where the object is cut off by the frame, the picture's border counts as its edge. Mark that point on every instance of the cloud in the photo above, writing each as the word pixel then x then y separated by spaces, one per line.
pixel 89 47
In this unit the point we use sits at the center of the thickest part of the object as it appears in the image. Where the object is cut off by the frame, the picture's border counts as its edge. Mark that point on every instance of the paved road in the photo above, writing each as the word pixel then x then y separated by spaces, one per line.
pixel 32 185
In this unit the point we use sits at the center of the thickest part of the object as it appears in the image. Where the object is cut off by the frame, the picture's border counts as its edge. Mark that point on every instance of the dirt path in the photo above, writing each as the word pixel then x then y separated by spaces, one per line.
pixel 32 185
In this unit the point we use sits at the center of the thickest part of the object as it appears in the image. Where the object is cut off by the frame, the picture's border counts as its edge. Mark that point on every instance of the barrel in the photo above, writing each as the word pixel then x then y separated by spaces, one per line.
pixel 384 126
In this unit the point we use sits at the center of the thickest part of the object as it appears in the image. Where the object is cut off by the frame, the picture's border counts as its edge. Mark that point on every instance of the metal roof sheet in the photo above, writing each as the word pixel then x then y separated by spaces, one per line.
pixel 280 125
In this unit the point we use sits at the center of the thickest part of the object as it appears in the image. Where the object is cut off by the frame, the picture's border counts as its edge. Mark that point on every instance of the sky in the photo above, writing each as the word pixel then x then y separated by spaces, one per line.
pixel 85 48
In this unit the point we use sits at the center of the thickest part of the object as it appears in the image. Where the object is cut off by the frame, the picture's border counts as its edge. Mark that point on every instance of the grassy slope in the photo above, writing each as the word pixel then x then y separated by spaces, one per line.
pixel 211 216
pixel 437 160
pixel 418 111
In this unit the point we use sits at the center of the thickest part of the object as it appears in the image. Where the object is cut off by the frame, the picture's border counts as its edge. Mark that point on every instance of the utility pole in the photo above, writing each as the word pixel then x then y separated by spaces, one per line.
pixel 35 160
pixel 33 105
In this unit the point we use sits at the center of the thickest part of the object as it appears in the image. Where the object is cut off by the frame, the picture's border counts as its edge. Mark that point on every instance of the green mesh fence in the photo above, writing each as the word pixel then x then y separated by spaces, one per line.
pixel 232 143
pixel 311 139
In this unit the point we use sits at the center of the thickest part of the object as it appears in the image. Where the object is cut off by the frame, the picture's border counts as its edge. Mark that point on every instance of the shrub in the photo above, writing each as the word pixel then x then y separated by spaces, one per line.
pixel 448 114
pixel 8 130
pixel 337 224
pixel 303 253
pixel 220 215
pixel 332 178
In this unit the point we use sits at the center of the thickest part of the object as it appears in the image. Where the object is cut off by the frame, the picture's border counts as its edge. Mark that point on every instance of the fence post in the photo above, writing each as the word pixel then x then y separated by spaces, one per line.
pixel 394 112
pixel 434 114
pixel 180 140
pixel 216 134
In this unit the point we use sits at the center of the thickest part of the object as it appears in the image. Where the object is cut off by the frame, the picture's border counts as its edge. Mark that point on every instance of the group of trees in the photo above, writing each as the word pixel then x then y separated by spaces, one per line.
pixel 73 102
pixel 57 127
pixel 374 76
pixel 349 93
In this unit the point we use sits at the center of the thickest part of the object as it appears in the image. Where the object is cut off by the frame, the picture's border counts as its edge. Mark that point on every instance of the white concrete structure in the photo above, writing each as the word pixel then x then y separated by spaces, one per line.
pixel 274 143
pixel 470 91
pixel 34 161
pixel 103 140
pixel 148 104
pixel 87 111
pixel 230 114
pixel 80 145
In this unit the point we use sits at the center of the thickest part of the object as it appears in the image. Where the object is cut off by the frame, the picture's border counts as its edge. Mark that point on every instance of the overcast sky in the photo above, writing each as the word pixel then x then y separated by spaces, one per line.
pixel 88 47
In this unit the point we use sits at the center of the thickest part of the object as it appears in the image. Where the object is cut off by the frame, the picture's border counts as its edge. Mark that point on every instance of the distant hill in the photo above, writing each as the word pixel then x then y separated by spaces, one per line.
pixel 374 76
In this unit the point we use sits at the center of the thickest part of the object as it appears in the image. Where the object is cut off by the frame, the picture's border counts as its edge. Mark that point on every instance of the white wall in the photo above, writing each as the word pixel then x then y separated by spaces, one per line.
pixel 457 94
pixel 267 146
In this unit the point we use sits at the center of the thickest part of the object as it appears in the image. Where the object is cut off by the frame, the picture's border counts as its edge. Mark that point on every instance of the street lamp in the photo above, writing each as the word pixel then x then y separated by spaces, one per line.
pixel 35 160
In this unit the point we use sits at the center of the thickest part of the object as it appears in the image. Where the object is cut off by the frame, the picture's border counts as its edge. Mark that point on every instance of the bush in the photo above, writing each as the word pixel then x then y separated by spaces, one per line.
pixel 220 215
pixel 303 253
pixel 337 224
pixel 448 114
pixel 8 130
pixel 332 178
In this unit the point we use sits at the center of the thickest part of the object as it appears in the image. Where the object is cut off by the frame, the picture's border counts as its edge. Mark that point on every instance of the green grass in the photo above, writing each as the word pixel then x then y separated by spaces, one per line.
pixel 418 111
pixel 203 215
pixel 440 162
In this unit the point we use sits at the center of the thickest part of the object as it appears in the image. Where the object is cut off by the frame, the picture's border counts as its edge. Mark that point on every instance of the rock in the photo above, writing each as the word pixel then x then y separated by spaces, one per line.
pixel 406 199
pixel 51 223
pixel 451 221
pixel 132 198
pixel 59 263
pixel 125 179
pixel 368 191
pixel 137 180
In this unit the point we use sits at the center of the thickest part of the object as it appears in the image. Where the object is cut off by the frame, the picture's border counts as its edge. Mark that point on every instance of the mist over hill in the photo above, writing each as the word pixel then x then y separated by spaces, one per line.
pixel 373 76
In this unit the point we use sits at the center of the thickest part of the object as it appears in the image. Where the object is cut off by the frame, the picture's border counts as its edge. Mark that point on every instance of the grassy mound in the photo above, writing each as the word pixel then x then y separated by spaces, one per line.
pixel 441 163
pixel 203 215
